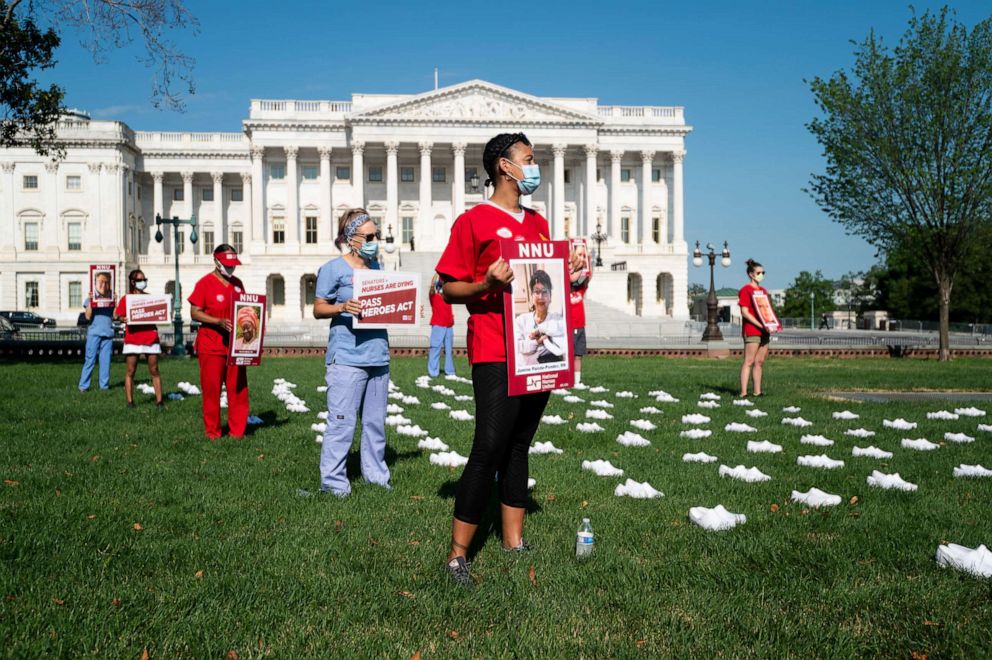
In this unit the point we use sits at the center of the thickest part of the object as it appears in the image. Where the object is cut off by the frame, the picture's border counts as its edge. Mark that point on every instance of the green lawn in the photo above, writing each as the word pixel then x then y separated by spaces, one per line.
pixel 124 530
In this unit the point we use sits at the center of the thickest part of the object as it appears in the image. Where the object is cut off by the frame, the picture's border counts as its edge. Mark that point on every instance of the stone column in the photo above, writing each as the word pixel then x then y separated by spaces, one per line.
pixel 50 236
pixel 614 231
pixel 91 235
pixel 7 223
pixel 425 225
pixel 247 218
pixel 155 249
pixel 589 224
pixel 256 234
pixel 357 174
pixel 292 199
pixel 558 194
pixel 392 186
pixel 677 239
pixel 647 157
pixel 188 211
pixel 220 218
pixel 327 229
pixel 458 182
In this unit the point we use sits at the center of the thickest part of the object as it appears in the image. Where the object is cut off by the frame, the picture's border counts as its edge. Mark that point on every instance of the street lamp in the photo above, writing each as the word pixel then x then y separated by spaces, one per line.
pixel 812 312
pixel 390 241
pixel 599 238
pixel 178 343
pixel 712 332
pixel 474 182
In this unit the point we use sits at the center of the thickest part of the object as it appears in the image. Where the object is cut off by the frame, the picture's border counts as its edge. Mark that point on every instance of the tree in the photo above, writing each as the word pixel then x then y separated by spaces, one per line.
pixel 30 33
pixel 797 295
pixel 907 136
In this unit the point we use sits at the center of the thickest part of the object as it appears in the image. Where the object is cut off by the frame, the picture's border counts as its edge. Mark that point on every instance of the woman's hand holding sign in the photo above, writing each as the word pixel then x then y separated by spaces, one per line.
pixel 352 307
pixel 498 275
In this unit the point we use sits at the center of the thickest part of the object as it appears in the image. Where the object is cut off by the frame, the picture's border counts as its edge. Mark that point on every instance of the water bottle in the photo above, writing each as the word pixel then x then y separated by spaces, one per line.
pixel 584 542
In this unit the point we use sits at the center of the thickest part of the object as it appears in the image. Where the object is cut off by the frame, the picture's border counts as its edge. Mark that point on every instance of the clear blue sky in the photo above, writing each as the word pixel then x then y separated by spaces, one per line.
pixel 738 68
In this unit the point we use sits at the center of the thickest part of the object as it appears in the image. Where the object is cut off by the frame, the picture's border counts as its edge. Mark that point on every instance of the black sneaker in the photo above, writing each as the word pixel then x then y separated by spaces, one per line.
pixel 523 546
pixel 457 568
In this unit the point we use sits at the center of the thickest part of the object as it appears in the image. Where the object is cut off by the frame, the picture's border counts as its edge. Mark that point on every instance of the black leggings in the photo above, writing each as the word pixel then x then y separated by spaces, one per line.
pixel 504 427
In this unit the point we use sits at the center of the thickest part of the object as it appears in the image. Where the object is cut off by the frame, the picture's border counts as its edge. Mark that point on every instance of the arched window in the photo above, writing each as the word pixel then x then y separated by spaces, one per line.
pixel 308 287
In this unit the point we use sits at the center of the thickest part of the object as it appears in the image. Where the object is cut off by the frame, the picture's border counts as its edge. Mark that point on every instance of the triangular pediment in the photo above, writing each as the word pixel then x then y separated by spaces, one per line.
pixel 474 102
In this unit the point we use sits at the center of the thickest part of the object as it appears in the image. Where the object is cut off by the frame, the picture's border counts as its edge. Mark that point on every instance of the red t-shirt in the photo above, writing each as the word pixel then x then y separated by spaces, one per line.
pixel 577 305
pixel 745 301
pixel 473 246
pixel 144 334
pixel 441 313
pixel 214 297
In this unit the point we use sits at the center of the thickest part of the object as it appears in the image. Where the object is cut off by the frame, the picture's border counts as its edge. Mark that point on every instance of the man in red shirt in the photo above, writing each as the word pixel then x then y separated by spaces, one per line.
pixel 211 303
pixel 442 332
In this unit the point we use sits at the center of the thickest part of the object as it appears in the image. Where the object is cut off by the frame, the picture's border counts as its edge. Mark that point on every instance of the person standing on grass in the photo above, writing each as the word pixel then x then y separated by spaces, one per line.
pixel 579 275
pixel 99 336
pixel 756 336
pixel 357 362
pixel 210 304
pixel 475 275
pixel 139 339
pixel 442 331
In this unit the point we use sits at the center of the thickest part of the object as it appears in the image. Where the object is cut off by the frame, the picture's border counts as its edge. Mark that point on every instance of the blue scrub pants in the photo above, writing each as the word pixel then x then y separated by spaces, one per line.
pixel 97 346
pixel 440 336
pixel 354 392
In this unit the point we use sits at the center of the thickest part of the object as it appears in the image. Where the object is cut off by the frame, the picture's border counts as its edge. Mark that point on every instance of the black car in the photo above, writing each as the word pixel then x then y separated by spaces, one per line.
pixel 28 320
pixel 7 329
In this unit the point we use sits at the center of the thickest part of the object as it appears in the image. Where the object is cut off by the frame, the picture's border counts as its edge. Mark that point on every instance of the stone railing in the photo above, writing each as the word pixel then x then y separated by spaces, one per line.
pixel 653 114
pixel 186 140
pixel 298 109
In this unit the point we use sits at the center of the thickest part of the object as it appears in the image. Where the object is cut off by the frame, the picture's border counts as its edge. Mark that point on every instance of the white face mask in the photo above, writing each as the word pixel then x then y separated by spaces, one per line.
pixel 226 271
pixel 141 286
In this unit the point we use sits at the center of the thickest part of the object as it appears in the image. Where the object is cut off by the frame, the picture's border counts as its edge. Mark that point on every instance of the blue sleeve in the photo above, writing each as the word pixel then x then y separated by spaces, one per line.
pixel 327 283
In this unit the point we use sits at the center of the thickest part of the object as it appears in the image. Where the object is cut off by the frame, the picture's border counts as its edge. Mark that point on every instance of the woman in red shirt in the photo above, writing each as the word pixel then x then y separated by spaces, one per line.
pixel 139 339
pixel 475 275
pixel 211 305
pixel 756 336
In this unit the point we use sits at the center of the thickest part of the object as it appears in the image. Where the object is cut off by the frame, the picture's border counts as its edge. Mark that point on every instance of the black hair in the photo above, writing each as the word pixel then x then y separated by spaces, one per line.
pixel 224 247
pixel 131 277
pixel 751 265
pixel 497 148
pixel 541 277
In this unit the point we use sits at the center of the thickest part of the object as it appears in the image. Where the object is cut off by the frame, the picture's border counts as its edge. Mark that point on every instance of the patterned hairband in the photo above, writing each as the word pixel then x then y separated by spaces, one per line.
pixel 352 227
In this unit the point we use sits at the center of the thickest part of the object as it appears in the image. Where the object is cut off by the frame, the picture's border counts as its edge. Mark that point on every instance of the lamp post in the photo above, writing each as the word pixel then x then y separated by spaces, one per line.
pixel 474 182
pixel 599 238
pixel 812 312
pixel 390 241
pixel 712 332
pixel 178 343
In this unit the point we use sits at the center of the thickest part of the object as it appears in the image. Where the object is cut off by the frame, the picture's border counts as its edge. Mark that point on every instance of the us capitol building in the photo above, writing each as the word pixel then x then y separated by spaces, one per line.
pixel 275 190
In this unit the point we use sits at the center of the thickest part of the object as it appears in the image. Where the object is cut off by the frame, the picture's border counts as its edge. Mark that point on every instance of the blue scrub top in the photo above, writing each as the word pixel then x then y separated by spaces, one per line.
pixel 102 323
pixel 345 345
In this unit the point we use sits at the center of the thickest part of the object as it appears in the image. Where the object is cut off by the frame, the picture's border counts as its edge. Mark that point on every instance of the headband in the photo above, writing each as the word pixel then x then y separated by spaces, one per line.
pixel 352 227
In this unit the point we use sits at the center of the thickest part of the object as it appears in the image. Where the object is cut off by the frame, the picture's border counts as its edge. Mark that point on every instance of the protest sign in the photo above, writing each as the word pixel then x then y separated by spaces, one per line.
pixel 766 314
pixel 147 309
pixel 103 284
pixel 389 299
pixel 537 326
pixel 248 318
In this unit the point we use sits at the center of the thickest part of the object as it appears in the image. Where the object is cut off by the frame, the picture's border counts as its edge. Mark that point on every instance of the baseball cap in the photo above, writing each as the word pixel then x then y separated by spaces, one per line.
pixel 225 254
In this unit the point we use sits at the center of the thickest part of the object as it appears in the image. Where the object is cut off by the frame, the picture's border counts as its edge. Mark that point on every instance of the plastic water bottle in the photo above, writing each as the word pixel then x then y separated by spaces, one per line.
pixel 584 541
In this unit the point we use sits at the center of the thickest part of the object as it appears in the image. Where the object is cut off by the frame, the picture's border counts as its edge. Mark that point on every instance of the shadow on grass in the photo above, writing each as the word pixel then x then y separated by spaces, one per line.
pixel 270 421
pixel 353 464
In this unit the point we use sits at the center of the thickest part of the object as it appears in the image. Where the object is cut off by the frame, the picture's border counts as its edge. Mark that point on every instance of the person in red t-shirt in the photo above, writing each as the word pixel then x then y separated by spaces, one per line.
pixel 139 339
pixel 210 304
pixel 580 275
pixel 442 332
pixel 475 275
pixel 756 335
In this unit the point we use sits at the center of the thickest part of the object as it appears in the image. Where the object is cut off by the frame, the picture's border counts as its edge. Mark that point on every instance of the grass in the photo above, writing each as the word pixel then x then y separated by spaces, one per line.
pixel 124 530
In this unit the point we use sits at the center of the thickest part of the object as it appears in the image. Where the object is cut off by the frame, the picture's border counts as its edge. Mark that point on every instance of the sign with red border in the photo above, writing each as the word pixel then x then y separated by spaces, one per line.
pixel 248 333
pixel 147 309
pixel 389 298
pixel 539 350
pixel 763 309
pixel 103 285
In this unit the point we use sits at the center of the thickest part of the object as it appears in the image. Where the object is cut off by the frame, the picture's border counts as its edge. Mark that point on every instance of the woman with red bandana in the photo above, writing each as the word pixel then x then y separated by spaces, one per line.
pixel 211 305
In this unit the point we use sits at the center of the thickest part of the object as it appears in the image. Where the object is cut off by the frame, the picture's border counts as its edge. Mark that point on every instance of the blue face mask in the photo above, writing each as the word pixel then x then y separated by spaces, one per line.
pixel 531 180
pixel 369 251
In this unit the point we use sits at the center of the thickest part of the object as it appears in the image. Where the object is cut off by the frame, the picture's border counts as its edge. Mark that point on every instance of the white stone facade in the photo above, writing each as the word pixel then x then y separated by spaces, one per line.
pixel 275 190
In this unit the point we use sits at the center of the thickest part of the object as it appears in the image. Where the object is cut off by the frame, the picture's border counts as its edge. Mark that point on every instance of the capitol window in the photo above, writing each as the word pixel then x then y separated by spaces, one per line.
pixel 406 174
pixel 625 229
pixel 181 243
pixel 207 195
pixel 655 175
pixel 375 174
pixel 237 240
pixel 237 195
pixel 342 173
pixel 656 228
pixel 75 295
pixel 74 231
pixel 29 182
pixel 310 172
pixel 437 174
pixel 208 241
pixel 625 175
pixel 311 229
pixel 178 195
pixel 278 230
pixel 30 235
pixel 568 175
pixel 277 171
pixel 74 183
pixel 31 294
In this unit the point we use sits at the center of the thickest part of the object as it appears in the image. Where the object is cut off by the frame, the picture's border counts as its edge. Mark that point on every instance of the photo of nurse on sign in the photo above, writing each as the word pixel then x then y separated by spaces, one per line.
pixel 540 331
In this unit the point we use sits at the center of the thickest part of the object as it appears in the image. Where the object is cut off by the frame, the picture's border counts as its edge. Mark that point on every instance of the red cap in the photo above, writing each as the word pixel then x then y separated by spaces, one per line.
pixel 227 256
